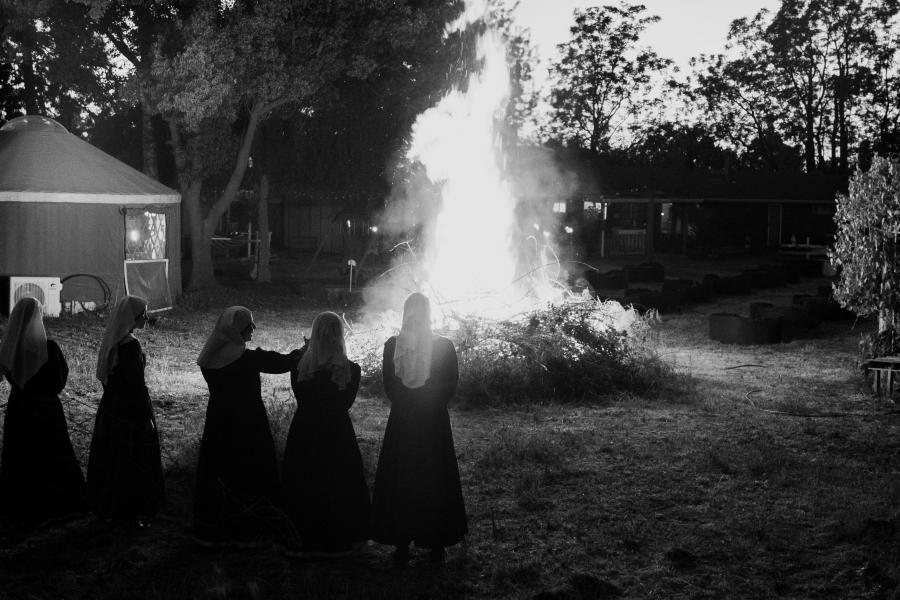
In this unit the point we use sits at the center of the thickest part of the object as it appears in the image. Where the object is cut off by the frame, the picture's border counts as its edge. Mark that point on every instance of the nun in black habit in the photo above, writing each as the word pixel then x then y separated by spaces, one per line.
pixel 236 497
pixel 326 495
pixel 125 475
pixel 417 495
pixel 40 477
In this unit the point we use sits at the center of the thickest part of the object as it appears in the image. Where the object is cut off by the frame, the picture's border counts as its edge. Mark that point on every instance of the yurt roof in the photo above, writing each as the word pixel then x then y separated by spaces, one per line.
pixel 40 161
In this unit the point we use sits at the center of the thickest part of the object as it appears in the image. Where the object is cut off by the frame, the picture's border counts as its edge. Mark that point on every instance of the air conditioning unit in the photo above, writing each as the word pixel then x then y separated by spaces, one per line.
pixel 44 289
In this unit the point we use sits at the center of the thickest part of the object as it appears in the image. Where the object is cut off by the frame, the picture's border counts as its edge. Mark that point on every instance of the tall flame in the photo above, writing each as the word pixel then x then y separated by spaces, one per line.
pixel 474 257
pixel 470 258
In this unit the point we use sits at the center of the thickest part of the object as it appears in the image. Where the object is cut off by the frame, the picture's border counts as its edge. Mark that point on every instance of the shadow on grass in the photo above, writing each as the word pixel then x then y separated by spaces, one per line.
pixel 88 558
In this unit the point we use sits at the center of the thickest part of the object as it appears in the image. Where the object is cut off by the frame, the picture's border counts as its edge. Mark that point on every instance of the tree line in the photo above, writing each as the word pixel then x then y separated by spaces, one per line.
pixel 814 86
pixel 215 96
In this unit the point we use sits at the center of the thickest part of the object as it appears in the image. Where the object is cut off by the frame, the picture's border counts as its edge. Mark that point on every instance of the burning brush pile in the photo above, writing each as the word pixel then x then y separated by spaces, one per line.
pixel 578 349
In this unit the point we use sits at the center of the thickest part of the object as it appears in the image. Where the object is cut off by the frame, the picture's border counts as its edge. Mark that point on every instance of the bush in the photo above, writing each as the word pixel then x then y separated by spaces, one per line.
pixel 580 350
pixel 866 253
pixel 883 343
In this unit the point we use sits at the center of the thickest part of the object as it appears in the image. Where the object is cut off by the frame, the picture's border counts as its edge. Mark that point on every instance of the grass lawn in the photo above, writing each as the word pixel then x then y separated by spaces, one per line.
pixel 772 473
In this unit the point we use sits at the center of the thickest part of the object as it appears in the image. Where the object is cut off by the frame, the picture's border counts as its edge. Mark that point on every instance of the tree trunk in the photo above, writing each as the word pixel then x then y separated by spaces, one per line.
pixel 595 136
pixel 809 144
pixel 886 320
pixel 263 272
pixel 237 174
pixel 202 274
pixel 29 80
pixel 834 132
pixel 202 228
pixel 844 137
pixel 149 161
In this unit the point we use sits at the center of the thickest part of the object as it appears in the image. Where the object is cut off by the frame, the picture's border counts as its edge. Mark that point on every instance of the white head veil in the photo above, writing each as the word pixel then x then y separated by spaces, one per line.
pixel 326 351
pixel 412 354
pixel 24 348
pixel 226 344
pixel 118 330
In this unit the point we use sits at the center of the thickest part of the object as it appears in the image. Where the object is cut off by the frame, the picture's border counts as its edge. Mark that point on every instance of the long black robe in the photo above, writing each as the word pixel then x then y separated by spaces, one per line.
pixel 237 491
pixel 40 477
pixel 417 494
pixel 326 495
pixel 125 475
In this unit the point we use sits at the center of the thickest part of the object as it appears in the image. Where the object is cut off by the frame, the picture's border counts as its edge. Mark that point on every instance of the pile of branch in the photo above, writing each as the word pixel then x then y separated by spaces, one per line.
pixel 575 351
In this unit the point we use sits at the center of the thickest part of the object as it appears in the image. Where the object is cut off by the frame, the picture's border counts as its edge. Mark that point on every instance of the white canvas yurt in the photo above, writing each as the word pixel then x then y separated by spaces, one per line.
pixel 71 212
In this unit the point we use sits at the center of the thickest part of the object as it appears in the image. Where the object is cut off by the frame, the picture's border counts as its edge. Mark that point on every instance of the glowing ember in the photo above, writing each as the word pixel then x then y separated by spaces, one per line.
pixel 471 261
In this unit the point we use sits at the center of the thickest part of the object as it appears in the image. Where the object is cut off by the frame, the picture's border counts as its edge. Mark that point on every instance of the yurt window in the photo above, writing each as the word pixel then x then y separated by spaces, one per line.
pixel 145 235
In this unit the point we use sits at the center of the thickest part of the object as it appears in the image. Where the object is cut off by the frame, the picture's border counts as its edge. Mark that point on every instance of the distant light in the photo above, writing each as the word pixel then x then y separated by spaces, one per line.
pixel 546 234
pixel 537 227
pixel 569 229
pixel 348 223
pixel 373 229
pixel 134 235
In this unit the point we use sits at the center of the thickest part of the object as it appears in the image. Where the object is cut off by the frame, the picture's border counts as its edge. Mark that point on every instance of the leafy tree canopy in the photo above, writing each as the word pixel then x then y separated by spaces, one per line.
pixel 50 63
pixel 866 247
pixel 675 145
pixel 602 76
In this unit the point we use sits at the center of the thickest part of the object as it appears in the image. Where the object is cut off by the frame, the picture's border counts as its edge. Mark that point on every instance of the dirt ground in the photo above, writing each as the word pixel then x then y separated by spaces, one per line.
pixel 772 474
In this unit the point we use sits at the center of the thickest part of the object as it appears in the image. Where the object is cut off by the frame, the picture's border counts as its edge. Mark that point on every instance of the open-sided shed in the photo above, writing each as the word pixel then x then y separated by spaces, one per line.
pixel 69 210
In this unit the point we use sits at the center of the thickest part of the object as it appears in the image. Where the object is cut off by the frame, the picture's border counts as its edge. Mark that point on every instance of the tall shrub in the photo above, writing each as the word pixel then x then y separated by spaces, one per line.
pixel 865 249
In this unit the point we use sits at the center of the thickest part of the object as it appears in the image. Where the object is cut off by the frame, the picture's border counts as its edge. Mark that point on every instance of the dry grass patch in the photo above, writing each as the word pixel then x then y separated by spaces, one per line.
pixel 704 493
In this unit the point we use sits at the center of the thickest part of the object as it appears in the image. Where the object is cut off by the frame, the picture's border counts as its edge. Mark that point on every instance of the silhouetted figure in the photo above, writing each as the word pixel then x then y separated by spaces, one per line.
pixel 125 475
pixel 237 489
pixel 40 477
pixel 417 495
pixel 325 486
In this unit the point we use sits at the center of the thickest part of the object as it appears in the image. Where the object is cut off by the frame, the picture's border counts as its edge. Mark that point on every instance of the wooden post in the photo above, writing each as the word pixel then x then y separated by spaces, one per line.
pixel 263 250
pixel 651 226
pixel 603 214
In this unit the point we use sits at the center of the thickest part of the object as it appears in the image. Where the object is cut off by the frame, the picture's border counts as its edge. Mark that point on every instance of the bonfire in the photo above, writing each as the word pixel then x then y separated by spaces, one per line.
pixel 496 284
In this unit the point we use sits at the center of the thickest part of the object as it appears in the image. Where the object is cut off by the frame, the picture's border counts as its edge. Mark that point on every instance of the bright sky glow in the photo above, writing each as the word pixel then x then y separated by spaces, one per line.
pixel 686 28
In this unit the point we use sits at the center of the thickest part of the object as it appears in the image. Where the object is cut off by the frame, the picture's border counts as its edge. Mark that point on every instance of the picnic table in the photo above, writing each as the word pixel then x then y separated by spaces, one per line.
pixel 884 368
